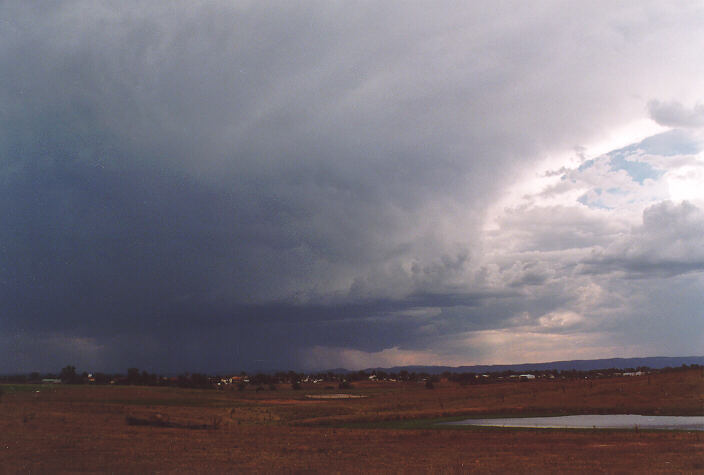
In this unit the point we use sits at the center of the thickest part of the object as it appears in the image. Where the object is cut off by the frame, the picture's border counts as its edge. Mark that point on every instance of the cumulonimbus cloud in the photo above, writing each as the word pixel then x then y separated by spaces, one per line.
pixel 175 173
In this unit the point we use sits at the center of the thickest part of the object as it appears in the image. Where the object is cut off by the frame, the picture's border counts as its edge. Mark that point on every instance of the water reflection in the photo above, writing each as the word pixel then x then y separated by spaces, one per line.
pixel 594 421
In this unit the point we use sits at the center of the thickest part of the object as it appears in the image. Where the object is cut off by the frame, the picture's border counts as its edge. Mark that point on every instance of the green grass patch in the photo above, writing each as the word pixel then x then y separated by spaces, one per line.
pixel 437 422
pixel 26 388
pixel 402 423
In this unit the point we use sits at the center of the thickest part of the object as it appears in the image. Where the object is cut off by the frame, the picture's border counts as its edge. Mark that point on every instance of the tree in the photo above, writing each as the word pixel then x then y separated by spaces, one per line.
pixel 148 379
pixel 259 379
pixel 201 381
pixel 133 376
pixel 68 375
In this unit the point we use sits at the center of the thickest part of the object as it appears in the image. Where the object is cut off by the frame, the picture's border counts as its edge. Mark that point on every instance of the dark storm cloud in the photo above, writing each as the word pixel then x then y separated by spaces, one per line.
pixel 219 185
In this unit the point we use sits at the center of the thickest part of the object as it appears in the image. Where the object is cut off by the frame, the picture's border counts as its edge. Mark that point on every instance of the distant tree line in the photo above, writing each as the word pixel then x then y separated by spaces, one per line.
pixel 135 377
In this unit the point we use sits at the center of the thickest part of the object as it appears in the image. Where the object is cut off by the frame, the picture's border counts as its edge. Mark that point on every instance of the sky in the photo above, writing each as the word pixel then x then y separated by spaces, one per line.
pixel 226 185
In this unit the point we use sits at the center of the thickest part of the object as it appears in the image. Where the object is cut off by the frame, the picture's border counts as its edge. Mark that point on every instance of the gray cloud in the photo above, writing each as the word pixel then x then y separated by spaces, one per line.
pixel 214 185
pixel 674 114
pixel 668 243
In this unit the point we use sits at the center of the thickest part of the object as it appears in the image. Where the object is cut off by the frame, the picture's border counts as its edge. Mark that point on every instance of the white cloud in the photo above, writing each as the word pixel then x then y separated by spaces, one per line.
pixel 572 245
pixel 560 320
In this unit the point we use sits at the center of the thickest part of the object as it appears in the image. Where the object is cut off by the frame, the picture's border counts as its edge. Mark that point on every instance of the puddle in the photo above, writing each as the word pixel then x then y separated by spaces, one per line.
pixel 593 421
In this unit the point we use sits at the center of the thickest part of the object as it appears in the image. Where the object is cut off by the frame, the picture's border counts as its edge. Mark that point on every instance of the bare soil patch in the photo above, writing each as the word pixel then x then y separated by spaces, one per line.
pixel 76 429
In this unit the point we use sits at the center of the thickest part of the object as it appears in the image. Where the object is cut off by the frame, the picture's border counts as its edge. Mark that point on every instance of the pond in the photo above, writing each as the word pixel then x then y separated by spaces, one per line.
pixel 594 421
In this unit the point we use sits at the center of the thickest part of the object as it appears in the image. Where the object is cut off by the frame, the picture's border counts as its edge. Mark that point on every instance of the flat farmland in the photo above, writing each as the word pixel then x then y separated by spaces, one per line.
pixel 391 428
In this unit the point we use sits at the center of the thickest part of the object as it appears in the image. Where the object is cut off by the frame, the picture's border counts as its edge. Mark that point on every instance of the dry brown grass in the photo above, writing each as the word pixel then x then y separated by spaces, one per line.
pixel 85 429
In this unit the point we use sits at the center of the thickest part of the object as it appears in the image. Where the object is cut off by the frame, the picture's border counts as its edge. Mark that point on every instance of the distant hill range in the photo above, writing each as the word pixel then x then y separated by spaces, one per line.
pixel 655 362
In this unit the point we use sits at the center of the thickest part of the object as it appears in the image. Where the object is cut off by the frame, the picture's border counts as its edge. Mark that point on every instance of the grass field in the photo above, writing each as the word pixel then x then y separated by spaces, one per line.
pixel 85 428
